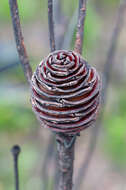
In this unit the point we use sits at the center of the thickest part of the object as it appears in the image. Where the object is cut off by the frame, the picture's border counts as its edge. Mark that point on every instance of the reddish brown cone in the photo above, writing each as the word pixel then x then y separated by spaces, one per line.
pixel 65 92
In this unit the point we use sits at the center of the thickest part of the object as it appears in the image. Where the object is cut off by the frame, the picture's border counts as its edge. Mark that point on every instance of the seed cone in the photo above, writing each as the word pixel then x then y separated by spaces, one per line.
pixel 65 92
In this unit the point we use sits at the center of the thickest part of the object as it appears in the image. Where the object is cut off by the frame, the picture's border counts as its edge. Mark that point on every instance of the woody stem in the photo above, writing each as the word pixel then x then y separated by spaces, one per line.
pixel 65 161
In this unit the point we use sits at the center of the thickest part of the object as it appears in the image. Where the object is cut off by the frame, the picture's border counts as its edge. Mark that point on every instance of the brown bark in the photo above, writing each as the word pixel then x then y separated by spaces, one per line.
pixel 80 26
pixel 51 25
pixel 65 161
pixel 20 40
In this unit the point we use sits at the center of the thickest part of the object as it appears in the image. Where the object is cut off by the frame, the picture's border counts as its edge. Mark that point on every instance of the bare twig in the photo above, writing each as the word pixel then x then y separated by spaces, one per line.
pixel 65 161
pixel 80 26
pixel 19 40
pixel 106 76
pixel 51 25
pixel 15 152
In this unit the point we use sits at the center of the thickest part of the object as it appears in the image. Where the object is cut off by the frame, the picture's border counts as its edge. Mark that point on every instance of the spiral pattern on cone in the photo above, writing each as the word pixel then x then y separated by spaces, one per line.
pixel 65 92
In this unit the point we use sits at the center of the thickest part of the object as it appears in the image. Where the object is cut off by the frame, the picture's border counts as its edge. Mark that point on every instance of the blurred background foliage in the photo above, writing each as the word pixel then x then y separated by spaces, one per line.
pixel 114 124
pixel 17 122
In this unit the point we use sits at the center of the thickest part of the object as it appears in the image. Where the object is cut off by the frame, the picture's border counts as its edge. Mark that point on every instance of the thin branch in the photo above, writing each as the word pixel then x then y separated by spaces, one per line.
pixel 15 152
pixel 51 25
pixel 19 40
pixel 80 26
pixel 106 75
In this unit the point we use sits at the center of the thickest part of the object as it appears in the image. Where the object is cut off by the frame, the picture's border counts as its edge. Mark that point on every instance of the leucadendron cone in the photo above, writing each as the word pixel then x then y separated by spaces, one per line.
pixel 65 92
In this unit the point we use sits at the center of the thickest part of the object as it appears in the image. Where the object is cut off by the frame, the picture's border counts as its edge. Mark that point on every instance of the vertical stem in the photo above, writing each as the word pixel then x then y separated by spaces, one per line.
pixel 16 173
pixel 65 161
pixel 51 25
pixel 80 26
pixel 15 152
pixel 20 40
